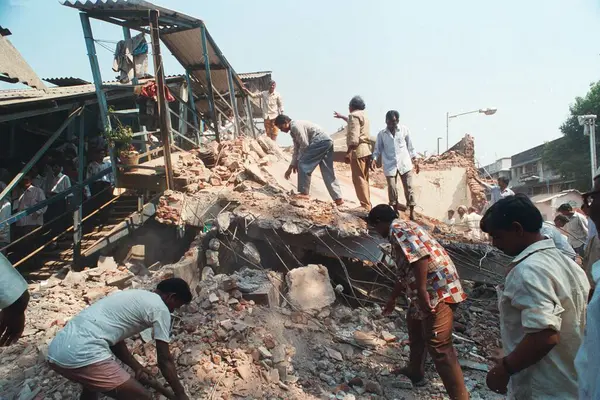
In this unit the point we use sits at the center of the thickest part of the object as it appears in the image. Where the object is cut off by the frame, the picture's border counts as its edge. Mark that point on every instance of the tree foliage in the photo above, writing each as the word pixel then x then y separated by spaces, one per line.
pixel 570 156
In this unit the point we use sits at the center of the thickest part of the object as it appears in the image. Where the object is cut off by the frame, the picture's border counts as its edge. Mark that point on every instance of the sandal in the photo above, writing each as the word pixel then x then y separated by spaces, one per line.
pixel 404 371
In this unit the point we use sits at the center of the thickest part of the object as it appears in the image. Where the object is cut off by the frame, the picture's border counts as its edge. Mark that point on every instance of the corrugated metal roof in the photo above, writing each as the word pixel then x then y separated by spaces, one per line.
pixel 67 81
pixel 111 7
pixel 14 66
pixel 542 198
pixel 254 75
pixel 184 42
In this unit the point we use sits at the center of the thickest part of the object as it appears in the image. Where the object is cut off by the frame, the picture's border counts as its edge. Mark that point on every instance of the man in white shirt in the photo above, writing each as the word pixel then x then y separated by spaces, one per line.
pixel 312 147
pixel 450 220
pixel 587 361
pixel 272 105
pixel 550 231
pixel 473 219
pixel 84 350
pixel 14 298
pixel 59 183
pixel 542 306
pixel 5 213
pixel 394 150
pixel 497 192
pixel 30 197
pixel 576 228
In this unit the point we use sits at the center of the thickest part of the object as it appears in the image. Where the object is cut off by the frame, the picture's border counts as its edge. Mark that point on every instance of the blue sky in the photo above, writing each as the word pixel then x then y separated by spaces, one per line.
pixel 527 58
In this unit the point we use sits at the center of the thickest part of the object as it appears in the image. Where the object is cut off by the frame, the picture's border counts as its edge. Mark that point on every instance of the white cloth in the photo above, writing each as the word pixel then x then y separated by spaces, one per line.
pixel 272 103
pixel 496 193
pixel 60 183
pixel 304 133
pixel 5 213
pixel 96 167
pixel 587 361
pixel 450 221
pixel 86 339
pixel 474 231
pixel 396 151
pixel 592 231
pixel 29 198
pixel 577 229
pixel 12 284
pixel 560 240
pixel 544 290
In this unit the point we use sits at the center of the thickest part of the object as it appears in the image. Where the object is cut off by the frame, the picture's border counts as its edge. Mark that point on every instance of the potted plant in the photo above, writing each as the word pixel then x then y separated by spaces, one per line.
pixel 129 156
pixel 120 138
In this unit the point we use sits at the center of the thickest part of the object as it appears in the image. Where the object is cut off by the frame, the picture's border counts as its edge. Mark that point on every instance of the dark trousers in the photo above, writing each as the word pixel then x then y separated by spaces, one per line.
pixel 101 194
pixel 434 335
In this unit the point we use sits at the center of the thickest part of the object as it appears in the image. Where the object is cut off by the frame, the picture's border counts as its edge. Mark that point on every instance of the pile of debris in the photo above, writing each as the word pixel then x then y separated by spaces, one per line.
pixel 460 155
pixel 253 334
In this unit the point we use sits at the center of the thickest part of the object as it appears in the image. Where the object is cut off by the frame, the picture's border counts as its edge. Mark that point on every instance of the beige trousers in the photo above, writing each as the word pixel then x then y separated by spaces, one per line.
pixel 392 182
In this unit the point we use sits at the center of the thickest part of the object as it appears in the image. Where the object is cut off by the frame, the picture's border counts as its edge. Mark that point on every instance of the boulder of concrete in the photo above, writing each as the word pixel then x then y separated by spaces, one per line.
pixel 309 288
pixel 251 253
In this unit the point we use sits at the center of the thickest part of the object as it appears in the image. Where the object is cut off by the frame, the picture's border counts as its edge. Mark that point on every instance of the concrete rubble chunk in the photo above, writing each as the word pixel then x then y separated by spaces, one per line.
pixel 334 354
pixel 310 288
pixel 388 337
pixel 367 339
pixel 214 244
pixel 245 371
pixel 473 365
pixel 278 353
pixel 213 298
pixel 224 221
pixel 106 263
pixel 254 173
pixel 251 253
pixel 207 273
pixel 264 353
pixel 120 281
pixel 212 258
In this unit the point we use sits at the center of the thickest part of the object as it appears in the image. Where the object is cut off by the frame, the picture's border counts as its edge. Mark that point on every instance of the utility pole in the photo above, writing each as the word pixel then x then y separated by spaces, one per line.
pixel 163 106
pixel 438 143
pixel 589 129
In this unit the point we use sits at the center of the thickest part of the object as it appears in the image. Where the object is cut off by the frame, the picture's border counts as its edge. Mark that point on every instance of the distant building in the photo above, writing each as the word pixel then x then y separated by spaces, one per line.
pixel 548 203
pixel 530 176
pixel 500 168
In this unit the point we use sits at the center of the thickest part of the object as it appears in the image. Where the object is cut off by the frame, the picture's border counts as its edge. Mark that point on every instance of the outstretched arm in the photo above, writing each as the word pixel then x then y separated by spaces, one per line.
pixel 167 368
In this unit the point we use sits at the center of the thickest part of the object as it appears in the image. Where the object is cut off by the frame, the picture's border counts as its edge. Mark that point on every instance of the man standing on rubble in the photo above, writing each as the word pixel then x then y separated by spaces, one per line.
pixel 272 104
pixel 427 274
pixel 312 147
pixel 358 155
pixel 542 306
pixel 576 228
pixel 497 192
pixel 395 151
pixel 84 350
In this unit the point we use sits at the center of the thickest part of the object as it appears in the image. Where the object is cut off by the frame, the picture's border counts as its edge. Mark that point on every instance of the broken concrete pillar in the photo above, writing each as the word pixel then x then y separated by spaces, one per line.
pixel 309 288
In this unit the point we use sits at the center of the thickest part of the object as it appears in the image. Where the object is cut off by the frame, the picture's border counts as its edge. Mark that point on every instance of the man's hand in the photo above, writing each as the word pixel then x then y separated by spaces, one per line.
pixel 291 169
pixel 347 158
pixel 497 356
pixel 416 164
pixel 12 321
pixel 389 306
pixel 373 165
pixel 142 373
pixel 497 379
pixel 425 303
pixel 338 115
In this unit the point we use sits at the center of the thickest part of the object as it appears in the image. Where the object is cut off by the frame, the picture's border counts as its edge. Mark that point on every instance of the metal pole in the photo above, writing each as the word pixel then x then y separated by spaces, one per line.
pixel 191 98
pixel 211 95
pixel 183 113
pixel 447 136
pixel 250 117
pixel 102 104
pixel 438 145
pixel 163 111
pixel 592 123
pixel 236 115
pixel 78 213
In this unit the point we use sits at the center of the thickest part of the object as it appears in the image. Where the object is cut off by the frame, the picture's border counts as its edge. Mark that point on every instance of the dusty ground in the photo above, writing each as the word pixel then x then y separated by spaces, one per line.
pixel 230 348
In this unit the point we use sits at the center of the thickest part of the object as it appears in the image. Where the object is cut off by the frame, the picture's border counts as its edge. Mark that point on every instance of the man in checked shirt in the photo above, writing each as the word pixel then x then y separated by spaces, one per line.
pixel 428 276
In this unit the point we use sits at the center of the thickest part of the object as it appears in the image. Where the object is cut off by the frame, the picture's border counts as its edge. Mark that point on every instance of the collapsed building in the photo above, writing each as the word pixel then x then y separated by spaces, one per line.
pixel 265 265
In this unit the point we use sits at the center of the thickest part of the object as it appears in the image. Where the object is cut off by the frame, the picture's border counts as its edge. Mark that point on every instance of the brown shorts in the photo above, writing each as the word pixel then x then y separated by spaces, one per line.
pixel 271 129
pixel 102 376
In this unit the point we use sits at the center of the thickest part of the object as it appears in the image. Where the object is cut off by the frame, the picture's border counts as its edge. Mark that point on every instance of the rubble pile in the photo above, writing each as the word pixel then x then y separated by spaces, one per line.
pixel 460 155
pixel 248 336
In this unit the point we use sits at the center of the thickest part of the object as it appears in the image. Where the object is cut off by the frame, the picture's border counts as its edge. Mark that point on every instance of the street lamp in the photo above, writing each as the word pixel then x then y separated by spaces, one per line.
pixel 589 129
pixel 484 111
pixel 438 140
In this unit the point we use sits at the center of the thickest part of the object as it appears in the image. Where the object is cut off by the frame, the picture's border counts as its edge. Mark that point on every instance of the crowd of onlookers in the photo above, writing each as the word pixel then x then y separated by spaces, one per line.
pixel 56 172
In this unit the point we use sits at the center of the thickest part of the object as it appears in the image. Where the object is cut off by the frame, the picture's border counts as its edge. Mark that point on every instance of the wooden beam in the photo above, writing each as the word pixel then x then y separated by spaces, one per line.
pixel 163 106
pixel 202 67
